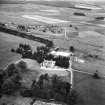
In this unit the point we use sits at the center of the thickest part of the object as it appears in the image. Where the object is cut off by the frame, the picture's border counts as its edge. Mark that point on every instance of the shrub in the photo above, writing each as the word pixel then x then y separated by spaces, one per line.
pixel 72 98
pixel 72 49
pixel 12 50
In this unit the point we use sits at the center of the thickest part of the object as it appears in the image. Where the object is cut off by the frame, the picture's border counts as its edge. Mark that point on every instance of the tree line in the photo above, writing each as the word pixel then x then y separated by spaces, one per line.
pixel 51 88
pixel 42 53
pixel 3 28
pixel 25 51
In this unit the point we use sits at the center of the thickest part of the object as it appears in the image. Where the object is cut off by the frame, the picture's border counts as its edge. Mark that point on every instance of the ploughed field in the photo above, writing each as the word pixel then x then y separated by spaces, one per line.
pixel 91 90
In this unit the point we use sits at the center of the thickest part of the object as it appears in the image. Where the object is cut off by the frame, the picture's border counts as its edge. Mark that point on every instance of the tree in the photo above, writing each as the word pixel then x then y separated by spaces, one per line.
pixel 34 55
pixel 96 75
pixel 67 87
pixel 40 57
pixel 43 49
pixel 33 84
pixel 62 62
pixel 12 50
pixel 22 65
pixel 54 81
pixel 27 93
pixel 19 50
pixel 60 86
pixel 2 76
pixel 59 97
pixel 21 27
pixel 16 78
pixel 50 44
pixel 11 84
pixel 46 77
pixel 49 57
pixel 72 49
pixel 25 50
pixel 8 86
pixel 27 54
pixel 40 81
pixel 11 70
pixel 72 98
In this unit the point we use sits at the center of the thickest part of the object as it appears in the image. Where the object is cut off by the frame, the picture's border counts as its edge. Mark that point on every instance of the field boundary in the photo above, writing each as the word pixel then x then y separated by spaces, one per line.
pixel 25 35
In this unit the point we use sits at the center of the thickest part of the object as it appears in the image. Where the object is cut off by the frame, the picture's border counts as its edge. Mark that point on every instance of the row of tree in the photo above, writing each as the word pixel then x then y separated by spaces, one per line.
pixel 51 88
pixel 42 53
pixel 26 51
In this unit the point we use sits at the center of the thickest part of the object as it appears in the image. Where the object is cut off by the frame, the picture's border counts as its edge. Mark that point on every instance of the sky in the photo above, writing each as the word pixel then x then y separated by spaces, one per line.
pixel 55 0
pixel 87 1
pixel 69 0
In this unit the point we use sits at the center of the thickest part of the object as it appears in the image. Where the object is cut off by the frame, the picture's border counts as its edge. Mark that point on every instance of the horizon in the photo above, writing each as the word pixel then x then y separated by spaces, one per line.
pixel 53 0
pixel 99 3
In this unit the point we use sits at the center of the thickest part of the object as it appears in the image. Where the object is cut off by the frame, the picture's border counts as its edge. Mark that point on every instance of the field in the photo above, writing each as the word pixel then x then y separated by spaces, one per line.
pixel 91 39
pixel 91 90
pixel 6 43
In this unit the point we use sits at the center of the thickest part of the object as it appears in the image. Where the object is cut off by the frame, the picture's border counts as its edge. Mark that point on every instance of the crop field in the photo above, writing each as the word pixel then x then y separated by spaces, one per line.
pixel 91 39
